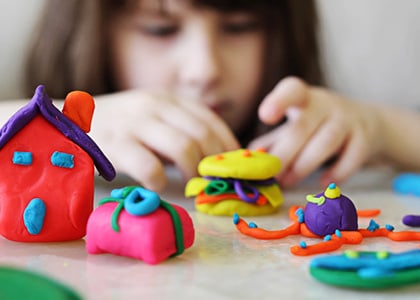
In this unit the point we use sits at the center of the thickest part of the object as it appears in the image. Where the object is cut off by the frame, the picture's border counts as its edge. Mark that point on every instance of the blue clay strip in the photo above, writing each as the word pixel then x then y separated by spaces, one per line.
pixel 63 160
pixel 33 216
pixel 22 158
pixel 395 261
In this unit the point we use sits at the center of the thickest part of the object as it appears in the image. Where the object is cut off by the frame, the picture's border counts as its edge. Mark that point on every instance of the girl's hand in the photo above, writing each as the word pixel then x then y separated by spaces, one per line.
pixel 320 126
pixel 139 132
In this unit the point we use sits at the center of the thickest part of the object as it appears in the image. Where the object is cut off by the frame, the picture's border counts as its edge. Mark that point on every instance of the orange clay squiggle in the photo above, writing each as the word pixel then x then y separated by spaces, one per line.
pixel 330 242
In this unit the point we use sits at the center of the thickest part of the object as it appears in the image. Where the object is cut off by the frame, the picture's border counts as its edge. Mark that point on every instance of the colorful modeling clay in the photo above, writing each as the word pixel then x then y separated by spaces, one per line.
pixel 47 170
pixel 135 222
pixel 324 218
pixel 412 220
pixel 407 184
pixel 238 181
pixel 368 270
pixel 23 284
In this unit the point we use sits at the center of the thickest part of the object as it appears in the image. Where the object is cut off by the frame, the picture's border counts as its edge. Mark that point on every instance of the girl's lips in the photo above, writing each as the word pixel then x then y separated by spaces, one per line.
pixel 218 107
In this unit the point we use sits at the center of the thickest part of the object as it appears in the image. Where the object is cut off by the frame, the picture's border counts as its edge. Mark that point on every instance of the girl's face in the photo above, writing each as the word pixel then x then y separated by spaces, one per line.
pixel 195 52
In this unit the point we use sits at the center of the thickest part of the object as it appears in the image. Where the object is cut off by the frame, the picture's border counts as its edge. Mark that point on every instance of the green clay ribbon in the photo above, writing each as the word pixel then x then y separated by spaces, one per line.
pixel 114 219
pixel 116 213
pixel 176 220
pixel 217 187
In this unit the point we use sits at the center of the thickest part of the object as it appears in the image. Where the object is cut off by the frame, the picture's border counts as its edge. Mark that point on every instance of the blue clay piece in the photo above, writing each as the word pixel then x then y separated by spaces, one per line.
pixel 33 216
pixel 235 218
pixel 407 183
pixel 389 227
pixel 63 160
pixel 373 272
pixel 22 158
pixel 252 225
pixel 140 202
pixel 372 226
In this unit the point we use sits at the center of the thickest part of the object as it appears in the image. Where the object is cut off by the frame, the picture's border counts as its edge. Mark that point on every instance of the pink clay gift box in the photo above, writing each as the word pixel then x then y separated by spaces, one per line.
pixel 135 222
pixel 47 169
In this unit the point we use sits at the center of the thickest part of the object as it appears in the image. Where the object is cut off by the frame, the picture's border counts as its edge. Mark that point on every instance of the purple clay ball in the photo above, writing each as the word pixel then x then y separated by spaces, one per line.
pixel 337 213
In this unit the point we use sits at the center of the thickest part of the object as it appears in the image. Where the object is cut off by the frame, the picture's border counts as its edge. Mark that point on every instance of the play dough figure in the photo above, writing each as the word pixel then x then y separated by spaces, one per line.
pixel 240 181
pixel 47 170
pixel 368 270
pixel 135 222
pixel 329 215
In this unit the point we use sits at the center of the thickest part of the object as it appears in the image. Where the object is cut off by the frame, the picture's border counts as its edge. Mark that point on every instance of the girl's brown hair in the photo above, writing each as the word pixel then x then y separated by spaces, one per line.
pixel 69 49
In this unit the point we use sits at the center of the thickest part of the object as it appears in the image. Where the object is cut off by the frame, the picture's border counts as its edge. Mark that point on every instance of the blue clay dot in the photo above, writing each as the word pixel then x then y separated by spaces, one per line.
pixel 332 186
pixel 235 218
pixel 252 225
pixel 338 233
pixel 327 238
pixel 373 226
pixel 301 219
pixel 303 244
pixel 389 227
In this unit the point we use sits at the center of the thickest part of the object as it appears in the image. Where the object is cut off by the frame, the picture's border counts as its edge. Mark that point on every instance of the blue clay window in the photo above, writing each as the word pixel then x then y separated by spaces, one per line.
pixel 63 160
pixel 22 158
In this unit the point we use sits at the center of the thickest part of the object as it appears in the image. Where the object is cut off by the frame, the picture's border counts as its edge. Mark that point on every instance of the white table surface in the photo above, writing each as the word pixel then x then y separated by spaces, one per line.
pixel 222 264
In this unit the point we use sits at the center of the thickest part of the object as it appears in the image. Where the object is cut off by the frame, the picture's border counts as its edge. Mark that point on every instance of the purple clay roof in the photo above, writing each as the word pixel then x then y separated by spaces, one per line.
pixel 42 104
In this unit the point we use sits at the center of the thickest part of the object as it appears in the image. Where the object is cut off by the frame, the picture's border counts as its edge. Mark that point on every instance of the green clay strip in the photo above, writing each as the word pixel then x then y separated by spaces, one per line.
pixel 116 213
pixel 352 279
pixel 179 235
pixel 317 200
pixel 217 187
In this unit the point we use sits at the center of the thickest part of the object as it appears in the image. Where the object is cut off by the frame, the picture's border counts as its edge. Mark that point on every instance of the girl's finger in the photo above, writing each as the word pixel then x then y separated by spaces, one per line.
pixel 171 144
pixel 141 164
pixel 289 92
pixel 323 145
pixel 352 157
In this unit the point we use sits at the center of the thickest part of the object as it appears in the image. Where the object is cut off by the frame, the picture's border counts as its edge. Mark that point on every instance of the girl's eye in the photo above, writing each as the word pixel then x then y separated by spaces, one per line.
pixel 159 30
pixel 241 25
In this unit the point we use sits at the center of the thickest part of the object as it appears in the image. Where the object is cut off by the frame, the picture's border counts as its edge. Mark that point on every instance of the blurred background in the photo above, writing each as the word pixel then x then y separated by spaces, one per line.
pixel 370 47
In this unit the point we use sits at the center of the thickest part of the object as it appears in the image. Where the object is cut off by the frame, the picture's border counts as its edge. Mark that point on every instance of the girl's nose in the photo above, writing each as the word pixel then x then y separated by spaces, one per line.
pixel 200 59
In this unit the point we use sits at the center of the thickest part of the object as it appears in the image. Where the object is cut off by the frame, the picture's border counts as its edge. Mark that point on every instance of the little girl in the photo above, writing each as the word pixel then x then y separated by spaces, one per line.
pixel 176 80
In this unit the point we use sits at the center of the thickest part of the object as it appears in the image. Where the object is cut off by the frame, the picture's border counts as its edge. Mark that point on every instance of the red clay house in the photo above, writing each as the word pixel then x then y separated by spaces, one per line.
pixel 47 170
